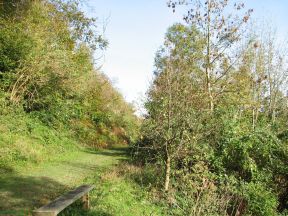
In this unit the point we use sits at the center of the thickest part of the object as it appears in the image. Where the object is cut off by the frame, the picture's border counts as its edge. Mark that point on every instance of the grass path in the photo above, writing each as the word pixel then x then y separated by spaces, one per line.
pixel 34 186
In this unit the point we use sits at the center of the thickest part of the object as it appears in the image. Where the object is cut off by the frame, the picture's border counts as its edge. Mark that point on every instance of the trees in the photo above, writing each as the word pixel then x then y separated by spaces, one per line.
pixel 47 71
pixel 169 106
pixel 209 121
pixel 47 53
pixel 221 31
pixel 201 52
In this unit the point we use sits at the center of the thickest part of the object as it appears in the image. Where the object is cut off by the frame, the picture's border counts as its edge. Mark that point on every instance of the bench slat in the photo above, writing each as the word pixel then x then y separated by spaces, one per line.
pixel 56 206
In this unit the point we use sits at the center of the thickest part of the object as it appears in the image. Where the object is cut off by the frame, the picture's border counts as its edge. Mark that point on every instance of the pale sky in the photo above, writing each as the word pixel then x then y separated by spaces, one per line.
pixel 136 29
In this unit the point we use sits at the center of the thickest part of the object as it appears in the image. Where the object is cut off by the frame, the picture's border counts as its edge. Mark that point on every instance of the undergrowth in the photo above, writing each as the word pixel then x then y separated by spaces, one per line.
pixel 25 140
pixel 120 191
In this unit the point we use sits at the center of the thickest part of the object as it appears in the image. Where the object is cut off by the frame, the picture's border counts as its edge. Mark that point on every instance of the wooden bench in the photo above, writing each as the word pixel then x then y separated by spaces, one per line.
pixel 56 206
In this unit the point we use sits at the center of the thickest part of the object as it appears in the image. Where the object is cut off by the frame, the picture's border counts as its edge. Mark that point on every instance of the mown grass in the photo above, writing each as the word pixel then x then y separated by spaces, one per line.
pixel 35 185
pixel 115 193
pixel 39 163
pixel 118 195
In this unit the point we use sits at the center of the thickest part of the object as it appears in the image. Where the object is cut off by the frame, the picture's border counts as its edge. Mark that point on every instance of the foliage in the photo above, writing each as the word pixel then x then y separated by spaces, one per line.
pixel 48 82
pixel 25 140
pixel 215 120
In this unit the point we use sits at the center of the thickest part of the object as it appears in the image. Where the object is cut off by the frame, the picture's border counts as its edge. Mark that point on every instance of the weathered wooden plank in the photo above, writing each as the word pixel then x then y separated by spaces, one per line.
pixel 56 206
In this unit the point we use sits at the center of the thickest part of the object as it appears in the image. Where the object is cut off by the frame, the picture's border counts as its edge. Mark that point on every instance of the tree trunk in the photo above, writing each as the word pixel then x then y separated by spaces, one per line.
pixel 211 103
pixel 208 62
pixel 167 173
pixel 167 155
pixel 253 119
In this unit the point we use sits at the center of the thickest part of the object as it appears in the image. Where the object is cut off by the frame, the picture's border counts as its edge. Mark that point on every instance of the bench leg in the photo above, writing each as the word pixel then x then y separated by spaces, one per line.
pixel 86 202
pixel 43 214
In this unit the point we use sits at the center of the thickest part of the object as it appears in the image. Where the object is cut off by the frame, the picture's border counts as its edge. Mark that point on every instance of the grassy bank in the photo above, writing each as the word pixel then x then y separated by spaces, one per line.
pixel 25 140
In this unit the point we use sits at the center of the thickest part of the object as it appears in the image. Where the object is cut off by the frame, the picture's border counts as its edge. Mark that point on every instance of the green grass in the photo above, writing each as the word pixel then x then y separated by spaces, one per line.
pixel 25 140
pixel 35 185
pixel 39 163
pixel 116 195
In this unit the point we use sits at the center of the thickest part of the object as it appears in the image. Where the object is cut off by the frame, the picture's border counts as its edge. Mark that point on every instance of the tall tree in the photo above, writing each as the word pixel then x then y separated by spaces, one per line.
pixel 221 30
pixel 173 95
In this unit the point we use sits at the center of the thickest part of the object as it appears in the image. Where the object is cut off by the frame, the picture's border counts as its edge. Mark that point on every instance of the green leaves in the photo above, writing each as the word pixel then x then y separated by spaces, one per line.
pixel 237 147
pixel 260 200
pixel 47 70
pixel 15 44
pixel 82 28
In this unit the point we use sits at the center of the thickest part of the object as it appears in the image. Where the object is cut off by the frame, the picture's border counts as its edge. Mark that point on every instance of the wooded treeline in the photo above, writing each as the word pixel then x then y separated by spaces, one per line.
pixel 216 122
pixel 51 95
